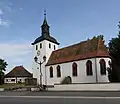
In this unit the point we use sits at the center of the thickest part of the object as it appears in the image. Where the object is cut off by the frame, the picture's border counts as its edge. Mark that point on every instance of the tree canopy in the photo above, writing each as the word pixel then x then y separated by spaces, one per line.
pixel 114 51
pixel 3 66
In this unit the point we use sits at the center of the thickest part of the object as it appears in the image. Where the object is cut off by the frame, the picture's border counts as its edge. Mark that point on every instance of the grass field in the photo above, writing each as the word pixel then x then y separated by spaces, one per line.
pixel 11 85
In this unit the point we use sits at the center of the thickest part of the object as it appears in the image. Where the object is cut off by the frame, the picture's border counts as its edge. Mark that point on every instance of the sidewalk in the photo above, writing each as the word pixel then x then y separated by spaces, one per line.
pixel 86 87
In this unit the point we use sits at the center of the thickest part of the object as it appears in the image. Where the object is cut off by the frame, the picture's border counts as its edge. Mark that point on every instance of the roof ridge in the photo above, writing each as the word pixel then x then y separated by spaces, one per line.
pixel 69 46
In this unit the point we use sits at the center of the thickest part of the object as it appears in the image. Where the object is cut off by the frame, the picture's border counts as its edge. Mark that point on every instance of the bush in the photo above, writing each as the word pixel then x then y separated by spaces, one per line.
pixel 67 80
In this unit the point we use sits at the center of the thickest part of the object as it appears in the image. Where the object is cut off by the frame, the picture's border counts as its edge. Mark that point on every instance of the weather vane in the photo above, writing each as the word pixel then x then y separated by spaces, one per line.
pixel 44 11
pixel 119 27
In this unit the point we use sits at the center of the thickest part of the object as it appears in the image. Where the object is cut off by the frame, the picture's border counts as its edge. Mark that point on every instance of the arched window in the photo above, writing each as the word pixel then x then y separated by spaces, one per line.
pixel 51 72
pixel 54 47
pixel 36 47
pixel 49 45
pixel 89 71
pixel 74 69
pixel 58 71
pixel 102 67
pixel 40 45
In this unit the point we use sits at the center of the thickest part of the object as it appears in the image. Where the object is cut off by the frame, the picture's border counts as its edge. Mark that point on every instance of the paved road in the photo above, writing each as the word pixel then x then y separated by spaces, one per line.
pixel 59 97
pixel 91 94
pixel 15 100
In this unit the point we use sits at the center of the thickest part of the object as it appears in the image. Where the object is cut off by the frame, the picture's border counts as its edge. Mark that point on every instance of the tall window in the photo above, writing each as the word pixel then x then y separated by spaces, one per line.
pixel 49 45
pixel 74 69
pixel 51 72
pixel 54 47
pixel 102 67
pixel 36 47
pixel 58 71
pixel 89 71
pixel 40 45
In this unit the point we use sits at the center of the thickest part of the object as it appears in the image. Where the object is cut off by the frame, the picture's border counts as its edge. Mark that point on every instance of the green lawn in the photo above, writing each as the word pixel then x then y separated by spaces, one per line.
pixel 11 85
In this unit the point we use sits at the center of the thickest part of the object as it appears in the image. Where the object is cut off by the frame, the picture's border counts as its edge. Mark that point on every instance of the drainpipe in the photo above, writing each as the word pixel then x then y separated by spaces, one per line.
pixel 96 71
pixel 45 77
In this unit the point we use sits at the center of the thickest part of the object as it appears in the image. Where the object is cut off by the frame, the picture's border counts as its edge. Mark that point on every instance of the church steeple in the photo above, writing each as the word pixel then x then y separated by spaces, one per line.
pixel 45 33
pixel 45 26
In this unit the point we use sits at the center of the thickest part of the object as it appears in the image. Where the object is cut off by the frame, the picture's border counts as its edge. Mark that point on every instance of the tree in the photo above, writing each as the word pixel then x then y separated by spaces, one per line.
pixel 114 51
pixel 3 66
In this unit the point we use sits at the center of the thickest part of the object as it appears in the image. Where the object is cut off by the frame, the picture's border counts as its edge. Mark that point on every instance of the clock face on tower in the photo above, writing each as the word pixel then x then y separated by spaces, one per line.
pixel 38 52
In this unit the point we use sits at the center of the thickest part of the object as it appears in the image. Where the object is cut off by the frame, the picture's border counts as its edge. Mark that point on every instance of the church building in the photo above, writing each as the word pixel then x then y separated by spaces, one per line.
pixel 84 62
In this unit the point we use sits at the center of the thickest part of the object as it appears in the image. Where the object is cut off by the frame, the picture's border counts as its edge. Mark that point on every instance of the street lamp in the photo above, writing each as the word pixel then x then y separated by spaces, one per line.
pixel 40 63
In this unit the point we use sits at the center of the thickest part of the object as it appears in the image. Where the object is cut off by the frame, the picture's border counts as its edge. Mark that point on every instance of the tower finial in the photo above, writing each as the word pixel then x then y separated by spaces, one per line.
pixel 44 13
pixel 119 27
pixel 45 26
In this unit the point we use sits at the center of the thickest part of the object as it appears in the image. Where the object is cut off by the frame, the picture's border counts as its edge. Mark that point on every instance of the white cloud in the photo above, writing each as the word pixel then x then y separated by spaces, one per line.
pixel 4 22
pixel 4 8
pixel 8 8
pixel 21 9
pixel 10 50
pixel 10 4
pixel 17 60
pixel 16 54
pixel 1 12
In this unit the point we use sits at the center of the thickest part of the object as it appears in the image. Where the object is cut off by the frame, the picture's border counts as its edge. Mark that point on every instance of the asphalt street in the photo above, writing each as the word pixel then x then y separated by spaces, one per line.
pixel 14 100
pixel 58 93
pixel 73 93
pixel 53 97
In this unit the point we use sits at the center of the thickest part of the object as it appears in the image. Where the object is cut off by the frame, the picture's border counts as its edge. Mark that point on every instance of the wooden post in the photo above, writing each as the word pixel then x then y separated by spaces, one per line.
pixel 16 80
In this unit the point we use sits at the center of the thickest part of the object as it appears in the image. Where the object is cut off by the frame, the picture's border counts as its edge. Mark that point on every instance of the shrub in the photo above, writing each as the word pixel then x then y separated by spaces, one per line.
pixel 66 80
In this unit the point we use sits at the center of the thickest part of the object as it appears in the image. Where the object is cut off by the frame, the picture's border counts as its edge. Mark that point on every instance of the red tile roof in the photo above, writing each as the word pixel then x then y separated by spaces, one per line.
pixel 18 71
pixel 91 48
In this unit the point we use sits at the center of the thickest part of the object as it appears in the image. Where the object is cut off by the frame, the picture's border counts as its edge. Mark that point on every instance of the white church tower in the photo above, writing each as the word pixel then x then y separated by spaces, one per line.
pixel 43 47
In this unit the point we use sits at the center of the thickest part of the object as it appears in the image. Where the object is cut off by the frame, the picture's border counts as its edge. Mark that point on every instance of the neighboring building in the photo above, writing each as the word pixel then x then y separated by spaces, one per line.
pixel 85 62
pixel 17 75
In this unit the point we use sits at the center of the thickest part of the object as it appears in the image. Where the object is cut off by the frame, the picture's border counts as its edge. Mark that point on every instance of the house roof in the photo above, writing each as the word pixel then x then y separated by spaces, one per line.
pixel 91 48
pixel 18 71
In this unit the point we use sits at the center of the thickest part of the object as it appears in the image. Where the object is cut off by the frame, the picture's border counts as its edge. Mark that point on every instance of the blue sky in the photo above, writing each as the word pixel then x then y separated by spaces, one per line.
pixel 70 21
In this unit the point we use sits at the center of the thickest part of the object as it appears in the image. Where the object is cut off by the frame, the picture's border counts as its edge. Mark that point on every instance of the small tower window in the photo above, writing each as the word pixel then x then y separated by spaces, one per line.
pixel 36 47
pixel 54 47
pixel 40 45
pixel 49 45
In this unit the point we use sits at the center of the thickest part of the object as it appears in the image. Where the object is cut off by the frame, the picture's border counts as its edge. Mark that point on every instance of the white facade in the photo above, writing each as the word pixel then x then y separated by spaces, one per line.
pixel 66 70
pixel 13 79
pixel 44 51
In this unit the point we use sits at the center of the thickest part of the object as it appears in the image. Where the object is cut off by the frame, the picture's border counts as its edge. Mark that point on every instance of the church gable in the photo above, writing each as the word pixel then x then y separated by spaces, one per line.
pixel 94 47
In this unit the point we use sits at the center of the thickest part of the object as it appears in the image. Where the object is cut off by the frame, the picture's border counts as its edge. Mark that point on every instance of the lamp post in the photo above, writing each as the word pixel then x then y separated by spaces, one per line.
pixel 40 63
